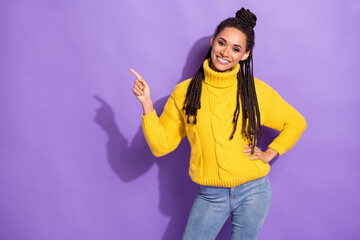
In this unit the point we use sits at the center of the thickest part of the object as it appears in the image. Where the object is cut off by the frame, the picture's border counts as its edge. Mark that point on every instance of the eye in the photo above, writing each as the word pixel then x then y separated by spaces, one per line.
pixel 236 50
pixel 221 43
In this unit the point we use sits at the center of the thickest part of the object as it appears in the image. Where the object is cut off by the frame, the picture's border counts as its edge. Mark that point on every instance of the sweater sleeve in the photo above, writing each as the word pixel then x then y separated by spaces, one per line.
pixel 164 134
pixel 281 116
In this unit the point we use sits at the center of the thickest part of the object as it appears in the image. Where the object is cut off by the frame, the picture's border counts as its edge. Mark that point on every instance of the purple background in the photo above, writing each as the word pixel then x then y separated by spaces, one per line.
pixel 73 160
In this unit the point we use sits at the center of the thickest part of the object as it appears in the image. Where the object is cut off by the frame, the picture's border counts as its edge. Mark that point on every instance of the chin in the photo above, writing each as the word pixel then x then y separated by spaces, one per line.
pixel 223 68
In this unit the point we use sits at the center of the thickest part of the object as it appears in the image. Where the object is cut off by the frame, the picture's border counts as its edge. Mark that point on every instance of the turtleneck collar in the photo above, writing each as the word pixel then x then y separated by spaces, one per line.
pixel 220 79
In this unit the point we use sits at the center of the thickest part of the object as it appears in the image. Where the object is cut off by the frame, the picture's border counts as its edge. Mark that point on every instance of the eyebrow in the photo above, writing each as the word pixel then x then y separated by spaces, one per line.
pixel 234 44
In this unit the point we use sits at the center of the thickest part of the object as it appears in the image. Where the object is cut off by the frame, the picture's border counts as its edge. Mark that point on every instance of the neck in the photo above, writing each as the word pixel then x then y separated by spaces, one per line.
pixel 220 79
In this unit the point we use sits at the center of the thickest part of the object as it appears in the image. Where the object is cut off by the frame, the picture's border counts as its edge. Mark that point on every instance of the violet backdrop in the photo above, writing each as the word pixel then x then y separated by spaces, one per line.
pixel 74 163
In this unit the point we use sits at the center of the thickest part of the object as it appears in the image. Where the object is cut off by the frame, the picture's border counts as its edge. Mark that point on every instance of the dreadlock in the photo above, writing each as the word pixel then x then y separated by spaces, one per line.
pixel 244 21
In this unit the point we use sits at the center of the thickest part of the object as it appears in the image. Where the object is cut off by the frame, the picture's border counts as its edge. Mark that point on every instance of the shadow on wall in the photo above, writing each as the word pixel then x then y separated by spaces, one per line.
pixel 177 191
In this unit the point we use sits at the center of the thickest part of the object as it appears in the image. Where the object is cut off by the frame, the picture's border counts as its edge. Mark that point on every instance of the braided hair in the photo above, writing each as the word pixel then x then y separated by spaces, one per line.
pixel 244 21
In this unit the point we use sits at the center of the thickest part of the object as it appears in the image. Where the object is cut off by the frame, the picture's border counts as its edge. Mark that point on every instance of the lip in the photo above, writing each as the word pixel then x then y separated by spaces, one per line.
pixel 219 60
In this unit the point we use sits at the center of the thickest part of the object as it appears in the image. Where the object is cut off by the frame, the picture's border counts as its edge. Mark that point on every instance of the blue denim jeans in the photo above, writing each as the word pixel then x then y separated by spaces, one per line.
pixel 248 204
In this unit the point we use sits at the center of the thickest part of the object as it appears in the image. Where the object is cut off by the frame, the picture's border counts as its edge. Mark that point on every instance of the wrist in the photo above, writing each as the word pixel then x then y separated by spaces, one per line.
pixel 147 106
pixel 272 153
pixel 146 101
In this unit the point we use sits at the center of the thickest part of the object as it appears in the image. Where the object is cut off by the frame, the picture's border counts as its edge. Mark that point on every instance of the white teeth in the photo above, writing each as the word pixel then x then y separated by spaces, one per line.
pixel 222 60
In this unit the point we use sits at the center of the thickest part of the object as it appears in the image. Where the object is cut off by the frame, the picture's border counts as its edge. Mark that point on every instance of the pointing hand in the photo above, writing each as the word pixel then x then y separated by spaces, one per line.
pixel 141 89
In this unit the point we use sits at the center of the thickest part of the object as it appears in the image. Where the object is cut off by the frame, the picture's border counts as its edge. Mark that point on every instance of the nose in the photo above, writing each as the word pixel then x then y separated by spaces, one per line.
pixel 225 51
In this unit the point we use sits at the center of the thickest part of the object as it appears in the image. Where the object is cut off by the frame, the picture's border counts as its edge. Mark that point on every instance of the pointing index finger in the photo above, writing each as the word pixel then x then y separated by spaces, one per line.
pixel 136 74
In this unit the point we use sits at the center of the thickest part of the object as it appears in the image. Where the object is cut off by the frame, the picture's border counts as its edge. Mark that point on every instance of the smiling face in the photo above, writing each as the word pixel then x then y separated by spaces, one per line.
pixel 228 48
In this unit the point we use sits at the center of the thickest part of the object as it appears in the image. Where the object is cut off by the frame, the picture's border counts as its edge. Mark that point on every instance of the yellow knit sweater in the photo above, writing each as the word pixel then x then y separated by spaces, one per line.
pixel 215 159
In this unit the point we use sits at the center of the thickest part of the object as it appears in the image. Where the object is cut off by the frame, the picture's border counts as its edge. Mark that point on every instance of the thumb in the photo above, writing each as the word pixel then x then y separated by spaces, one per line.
pixel 143 82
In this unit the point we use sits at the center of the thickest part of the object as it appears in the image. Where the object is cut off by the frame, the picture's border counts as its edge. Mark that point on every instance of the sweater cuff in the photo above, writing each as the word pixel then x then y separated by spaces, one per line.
pixel 148 118
pixel 277 147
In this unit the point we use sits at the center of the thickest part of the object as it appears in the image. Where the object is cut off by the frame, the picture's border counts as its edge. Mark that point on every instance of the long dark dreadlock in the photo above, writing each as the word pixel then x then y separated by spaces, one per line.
pixel 244 21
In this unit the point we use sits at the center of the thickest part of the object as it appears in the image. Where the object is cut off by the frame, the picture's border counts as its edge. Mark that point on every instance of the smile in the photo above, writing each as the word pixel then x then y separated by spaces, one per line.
pixel 222 61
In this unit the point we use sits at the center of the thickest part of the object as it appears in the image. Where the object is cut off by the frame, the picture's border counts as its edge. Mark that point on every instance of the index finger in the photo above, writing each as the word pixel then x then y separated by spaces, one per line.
pixel 136 74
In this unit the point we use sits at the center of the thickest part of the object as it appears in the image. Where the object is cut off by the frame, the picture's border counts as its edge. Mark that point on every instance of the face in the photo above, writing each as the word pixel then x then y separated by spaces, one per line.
pixel 228 48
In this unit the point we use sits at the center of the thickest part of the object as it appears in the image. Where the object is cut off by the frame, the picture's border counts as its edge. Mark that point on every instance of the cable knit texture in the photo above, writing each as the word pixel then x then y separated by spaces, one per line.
pixel 215 159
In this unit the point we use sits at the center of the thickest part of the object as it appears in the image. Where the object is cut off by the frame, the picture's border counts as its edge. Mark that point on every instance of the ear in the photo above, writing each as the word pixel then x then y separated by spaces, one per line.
pixel 212 40
pixel 245 56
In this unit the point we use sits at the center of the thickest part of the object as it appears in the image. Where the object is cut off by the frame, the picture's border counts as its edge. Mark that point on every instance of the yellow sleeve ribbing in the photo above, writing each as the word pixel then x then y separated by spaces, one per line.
pixel 164 134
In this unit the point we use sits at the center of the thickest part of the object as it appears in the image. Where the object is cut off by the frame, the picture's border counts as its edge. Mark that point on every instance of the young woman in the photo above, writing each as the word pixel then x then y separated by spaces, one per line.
pixel 226 163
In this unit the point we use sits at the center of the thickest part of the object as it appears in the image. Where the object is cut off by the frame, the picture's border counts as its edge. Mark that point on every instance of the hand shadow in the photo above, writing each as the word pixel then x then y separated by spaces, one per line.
pixel 177 191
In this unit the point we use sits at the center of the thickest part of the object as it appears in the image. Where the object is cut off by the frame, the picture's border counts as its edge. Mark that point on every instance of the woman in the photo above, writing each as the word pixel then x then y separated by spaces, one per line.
pixel 228 166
